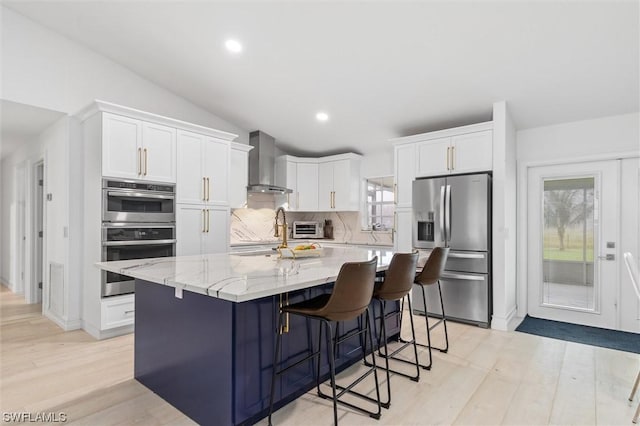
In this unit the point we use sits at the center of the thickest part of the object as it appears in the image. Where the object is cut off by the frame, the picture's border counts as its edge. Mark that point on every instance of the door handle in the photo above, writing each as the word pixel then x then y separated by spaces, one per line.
pixel 448 213
pixel 444 237
pixel 467 255
pixel 466 277
pixel 204 189
pixel 208 219
pixel 453 158
pixel 448 149
pixel 139 161
pixel 607 257
pixel 208 189
pixel 204 222
pixel 145 161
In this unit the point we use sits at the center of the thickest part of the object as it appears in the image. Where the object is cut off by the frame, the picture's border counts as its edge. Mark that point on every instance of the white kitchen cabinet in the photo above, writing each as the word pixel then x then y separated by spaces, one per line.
pixel 158 152
pixel 135 149
pixel 117 311
pixel 464 153
pixel 238 175
pixel 405 173
pixel 201 229
pixel 325 186
pixel 121 146
pixel 472 152
pixel 433 157
pixel 203 169
pixel 403 230
pixel 300 175
pixel 339 185
pixel 307 187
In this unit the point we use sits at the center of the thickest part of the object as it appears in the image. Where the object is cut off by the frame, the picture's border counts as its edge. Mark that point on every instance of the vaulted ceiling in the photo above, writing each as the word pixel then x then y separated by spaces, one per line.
pixel 380 70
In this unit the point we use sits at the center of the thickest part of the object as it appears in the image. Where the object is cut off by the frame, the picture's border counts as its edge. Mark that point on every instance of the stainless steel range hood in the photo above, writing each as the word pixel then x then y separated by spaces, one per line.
pixel 262 164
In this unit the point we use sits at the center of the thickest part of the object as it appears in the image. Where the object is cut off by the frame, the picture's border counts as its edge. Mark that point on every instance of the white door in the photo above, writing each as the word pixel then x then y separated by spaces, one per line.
pixel 238 178
pixel 190 185
pixel 325 186
pixel 216 168
pixel 572 239
pixel 191 225
pixel 159 153
pixel 121 147
pixel 293 199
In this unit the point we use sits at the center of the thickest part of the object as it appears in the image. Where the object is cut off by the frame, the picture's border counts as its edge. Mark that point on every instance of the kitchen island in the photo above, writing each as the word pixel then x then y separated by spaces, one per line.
pixel 205 328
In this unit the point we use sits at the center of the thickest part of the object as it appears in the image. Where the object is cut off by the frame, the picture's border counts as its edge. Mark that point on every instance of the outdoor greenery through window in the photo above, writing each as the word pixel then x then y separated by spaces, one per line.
pixel 380 203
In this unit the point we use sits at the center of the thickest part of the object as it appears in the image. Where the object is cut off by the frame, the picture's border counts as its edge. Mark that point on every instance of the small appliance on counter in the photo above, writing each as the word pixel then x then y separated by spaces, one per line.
pixel 307 229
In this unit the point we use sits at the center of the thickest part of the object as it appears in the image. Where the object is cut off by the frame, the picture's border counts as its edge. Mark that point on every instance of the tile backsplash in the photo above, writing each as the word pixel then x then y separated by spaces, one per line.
pixel 256 225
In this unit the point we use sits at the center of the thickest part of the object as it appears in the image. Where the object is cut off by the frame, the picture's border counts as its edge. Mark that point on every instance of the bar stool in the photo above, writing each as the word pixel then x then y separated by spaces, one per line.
pixel 396 286
pixel 430 275
pixel 349 299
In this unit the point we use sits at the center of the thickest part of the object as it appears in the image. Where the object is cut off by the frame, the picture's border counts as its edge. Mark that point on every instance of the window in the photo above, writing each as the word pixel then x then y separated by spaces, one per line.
pixel 380 203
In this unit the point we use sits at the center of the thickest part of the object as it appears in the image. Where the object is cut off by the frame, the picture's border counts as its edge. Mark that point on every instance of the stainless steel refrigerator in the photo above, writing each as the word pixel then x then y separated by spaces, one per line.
pixel 455 212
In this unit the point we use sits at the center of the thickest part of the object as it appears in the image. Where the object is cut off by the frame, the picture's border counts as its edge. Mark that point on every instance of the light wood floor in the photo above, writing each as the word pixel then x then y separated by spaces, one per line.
pixel 488 377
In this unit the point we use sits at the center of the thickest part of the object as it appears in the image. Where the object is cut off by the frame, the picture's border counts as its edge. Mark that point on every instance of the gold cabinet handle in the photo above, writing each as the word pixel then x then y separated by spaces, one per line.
pixel 145 162
pixel 448 157
pixel 208 219
pixel 395 193
pixel 208 189
pixel 204 189
pixel 204 222
pixel 334 199
pixel 139 161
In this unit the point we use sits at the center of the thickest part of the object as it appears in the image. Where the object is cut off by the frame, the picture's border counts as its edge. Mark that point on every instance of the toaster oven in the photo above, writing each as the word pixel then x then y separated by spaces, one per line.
pixel 307 229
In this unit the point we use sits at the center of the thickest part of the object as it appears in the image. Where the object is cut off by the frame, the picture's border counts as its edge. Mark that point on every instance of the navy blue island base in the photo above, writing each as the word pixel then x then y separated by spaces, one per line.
pixel 212 359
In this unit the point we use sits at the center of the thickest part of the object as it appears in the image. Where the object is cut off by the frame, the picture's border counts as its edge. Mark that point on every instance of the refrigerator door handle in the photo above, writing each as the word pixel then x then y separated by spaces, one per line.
pixel 442 225
pixel 448 213
pixel 463 276
pixel 467 255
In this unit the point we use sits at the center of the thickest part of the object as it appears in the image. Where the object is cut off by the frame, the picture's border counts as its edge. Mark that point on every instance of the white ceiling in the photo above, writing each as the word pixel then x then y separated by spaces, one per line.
pixel 21 124
pixel 381 70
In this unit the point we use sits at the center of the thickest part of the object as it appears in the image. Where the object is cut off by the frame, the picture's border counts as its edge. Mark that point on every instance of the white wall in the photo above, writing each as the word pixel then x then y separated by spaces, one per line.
pixel 42 68
pixel 378 164
pixel 606 137
pixel 504 218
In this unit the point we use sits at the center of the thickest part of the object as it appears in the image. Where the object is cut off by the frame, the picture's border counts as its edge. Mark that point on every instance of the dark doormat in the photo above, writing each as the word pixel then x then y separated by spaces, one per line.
pixel 612 339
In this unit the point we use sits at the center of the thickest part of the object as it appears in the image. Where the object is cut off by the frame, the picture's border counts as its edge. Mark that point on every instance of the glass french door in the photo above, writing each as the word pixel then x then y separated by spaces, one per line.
pixel 573 217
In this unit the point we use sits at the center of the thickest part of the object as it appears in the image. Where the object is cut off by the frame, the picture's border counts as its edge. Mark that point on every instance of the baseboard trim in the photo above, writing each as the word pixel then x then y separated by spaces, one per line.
pixel 107 334
pixel 62 323
pixel 505 323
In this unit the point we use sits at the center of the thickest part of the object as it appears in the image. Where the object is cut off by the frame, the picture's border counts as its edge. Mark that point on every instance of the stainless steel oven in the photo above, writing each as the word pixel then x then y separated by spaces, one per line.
pixel 134 201
pixel 125 241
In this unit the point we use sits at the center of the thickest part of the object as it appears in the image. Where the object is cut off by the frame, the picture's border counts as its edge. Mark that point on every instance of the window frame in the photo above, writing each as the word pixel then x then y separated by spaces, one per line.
pixel 383 184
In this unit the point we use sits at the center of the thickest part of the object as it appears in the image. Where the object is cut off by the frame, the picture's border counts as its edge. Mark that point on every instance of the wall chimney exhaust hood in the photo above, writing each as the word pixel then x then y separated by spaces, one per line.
pixel 262 165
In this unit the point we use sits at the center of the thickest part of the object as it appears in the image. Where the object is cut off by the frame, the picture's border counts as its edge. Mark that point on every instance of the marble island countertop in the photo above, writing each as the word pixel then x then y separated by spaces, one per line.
pixel 241 277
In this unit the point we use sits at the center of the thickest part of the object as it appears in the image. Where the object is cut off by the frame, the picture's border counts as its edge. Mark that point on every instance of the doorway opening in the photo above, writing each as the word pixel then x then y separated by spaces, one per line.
pixel 38 233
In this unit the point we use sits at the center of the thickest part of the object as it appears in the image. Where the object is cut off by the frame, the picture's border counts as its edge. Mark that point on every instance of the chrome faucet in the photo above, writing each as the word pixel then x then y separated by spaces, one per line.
pixel 284 227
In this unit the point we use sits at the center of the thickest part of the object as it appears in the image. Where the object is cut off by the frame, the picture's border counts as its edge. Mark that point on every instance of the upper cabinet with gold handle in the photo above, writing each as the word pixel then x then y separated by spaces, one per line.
pixel 455 154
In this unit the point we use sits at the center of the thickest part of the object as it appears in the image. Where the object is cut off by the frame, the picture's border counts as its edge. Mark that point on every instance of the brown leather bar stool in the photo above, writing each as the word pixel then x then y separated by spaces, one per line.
pixel 396 286
pixel 430 275
pixel 349 299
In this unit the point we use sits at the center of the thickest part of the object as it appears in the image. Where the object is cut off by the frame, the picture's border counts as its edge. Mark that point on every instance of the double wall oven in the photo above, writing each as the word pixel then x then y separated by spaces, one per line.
pixel 138 222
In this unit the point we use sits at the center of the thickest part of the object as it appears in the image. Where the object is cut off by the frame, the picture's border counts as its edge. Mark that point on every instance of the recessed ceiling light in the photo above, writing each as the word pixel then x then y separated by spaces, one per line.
pixel 322 116
pixel 233 46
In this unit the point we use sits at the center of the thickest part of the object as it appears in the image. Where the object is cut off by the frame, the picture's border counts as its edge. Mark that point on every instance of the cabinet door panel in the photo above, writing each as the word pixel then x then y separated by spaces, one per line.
pixel 190 225
pixel 216 169
pixel 342 186
pixel 216 237
pixel 238 178
pixel 473 152
pixel 405 165
pixel 291 182
pixel 190 186
pixel 307 187
pixel 325 186
pixel 120 142
pixel 159 148
pixel 403 232
pixel 432 157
